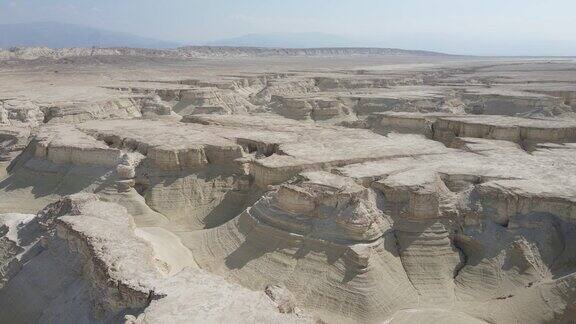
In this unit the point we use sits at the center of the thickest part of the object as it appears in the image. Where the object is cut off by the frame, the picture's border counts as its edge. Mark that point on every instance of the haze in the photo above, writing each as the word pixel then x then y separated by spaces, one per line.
pixel 513 27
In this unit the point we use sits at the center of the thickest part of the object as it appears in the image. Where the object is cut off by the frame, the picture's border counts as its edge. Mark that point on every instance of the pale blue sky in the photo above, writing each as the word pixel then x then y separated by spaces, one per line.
pixel 507 27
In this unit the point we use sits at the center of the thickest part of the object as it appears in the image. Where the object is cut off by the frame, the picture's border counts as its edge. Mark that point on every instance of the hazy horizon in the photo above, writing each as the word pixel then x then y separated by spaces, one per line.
pixel 489 27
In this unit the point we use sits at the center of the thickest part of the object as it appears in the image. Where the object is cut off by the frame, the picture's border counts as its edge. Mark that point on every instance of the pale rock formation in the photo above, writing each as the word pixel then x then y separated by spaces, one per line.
pixel 399 99
pixel 194 296
pixel 527 132
pixel 420 214
pixel 79 260
pixel 13 139
pixel 356 226
pixel 154 106
pixel 520 130
pixel 78 111
pixel 310 108
pixel 32 53
pixel 84 248
pixel 437 216
pixel 490 101
pixel 283 298
pixel 65 144
pixel 21 113
pixel 282 87
pixel 227 101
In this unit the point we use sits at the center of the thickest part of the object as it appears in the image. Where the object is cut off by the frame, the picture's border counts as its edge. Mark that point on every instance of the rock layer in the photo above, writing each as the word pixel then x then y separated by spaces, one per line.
pixel 224 190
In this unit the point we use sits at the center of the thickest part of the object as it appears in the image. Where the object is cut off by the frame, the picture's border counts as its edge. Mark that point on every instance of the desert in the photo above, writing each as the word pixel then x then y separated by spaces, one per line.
pixel 229 184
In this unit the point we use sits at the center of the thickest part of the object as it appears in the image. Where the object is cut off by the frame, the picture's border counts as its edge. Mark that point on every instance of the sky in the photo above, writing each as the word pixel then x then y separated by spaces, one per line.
pixel 481 27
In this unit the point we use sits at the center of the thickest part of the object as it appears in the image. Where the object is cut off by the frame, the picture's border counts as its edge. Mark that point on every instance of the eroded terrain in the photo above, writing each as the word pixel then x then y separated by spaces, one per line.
pixel 229 185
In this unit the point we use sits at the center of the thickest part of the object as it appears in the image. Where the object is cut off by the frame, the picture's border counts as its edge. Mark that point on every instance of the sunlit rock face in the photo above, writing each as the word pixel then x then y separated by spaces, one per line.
pixel 217 185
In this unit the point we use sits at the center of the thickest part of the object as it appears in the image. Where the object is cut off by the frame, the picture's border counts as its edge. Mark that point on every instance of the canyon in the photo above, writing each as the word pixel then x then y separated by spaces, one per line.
pixel 220 184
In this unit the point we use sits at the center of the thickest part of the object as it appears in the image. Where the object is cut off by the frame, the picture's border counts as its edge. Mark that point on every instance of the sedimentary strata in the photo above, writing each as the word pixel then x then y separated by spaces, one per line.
pixel 332 190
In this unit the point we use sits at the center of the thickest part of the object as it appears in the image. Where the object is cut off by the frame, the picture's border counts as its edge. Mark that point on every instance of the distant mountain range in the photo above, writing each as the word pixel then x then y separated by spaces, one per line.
pixel 60 35
pixel 287 40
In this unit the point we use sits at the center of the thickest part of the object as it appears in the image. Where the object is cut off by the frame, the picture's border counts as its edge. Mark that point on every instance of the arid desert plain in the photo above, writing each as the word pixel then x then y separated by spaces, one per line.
pixel 250 185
